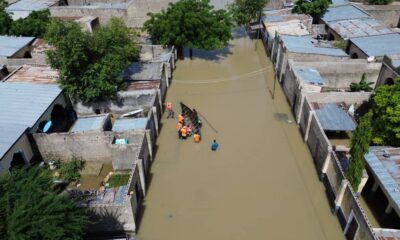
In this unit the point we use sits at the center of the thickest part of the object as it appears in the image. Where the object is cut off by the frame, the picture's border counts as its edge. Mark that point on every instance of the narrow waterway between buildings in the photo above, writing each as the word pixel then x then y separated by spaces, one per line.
pixel 260 184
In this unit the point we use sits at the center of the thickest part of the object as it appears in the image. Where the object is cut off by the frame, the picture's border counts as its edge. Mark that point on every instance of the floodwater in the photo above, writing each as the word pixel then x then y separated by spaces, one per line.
pixel 260 184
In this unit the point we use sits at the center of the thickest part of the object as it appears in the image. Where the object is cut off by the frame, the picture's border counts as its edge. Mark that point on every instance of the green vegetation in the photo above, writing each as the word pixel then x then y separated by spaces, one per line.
pixel 359 146
pixel 5 19
pixel 363 85
pixel 313 7
pixel 34 25
pixel 91 64
pixel 340 44
pixel 379 2
pixel 245 11
pixel 118 179
pixel 386 115
pixel 71 171
pixel 192 24
pixel 31 209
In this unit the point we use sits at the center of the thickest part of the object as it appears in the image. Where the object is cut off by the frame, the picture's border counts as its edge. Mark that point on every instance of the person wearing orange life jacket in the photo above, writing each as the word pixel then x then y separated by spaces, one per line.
pixel 184 132
pixel 170 110
pixel 179 127
pixel 181 119
pixel 189 130
pixel 196 138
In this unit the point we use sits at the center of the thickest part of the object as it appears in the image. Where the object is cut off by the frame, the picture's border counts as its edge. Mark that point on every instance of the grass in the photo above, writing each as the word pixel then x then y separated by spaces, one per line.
pixel 118 180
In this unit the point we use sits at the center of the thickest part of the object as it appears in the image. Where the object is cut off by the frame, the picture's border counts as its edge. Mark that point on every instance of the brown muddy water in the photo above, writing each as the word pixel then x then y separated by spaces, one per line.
pixel 260 184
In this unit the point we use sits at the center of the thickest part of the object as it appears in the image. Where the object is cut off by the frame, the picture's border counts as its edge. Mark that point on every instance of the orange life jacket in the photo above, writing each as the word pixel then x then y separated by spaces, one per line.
pixel 196 138
pixel 179 126
pixel 181 119
pixel 184 131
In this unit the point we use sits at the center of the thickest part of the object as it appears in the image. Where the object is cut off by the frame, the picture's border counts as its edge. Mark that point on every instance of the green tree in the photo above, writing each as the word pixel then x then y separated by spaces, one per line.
pixel 31 209
pixel 363 85
pixel 90 64
pixel 5 19
pixel 359 146
pixel 379 2
pixel 313 7
pixel 34 25
pixel 192 24
pixel 245 11
pixel 386 115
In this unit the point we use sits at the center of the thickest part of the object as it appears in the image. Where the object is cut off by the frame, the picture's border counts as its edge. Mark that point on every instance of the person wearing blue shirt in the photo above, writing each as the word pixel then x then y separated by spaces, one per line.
pixel 214 145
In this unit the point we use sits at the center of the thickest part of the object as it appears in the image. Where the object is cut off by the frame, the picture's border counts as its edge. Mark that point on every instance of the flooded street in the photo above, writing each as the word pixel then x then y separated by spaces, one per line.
pixel 260 184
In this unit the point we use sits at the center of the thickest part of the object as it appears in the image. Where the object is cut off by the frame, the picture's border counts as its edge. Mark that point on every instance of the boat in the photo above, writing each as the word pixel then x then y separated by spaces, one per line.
pixel 191 117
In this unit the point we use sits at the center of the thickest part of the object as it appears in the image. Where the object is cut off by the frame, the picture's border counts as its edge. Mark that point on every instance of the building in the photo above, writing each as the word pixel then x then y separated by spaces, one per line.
pixel 283 22
pixel 302 48
pixel 386 14
pixel 390 70
pixel 382 164
pixel 158 53
pixel 24 110
pixel 147 72
pixel 374 46
pixel 39 74
pixel 22 8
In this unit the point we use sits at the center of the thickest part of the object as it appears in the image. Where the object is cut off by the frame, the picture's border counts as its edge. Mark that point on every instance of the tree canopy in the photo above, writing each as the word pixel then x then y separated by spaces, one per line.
pixel 192 24
pixel 91 64
pixel 359 146
pixel 5 19
pixel 245 11
pixel 386 115
pixel 31 209
pixel 34 25
pixel 313 7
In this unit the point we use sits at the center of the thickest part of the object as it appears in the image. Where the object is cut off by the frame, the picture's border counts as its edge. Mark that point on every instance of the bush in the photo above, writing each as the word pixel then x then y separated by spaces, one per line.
pixel 70 171
pixel 117 180
pixel 363 85
pixel 313 7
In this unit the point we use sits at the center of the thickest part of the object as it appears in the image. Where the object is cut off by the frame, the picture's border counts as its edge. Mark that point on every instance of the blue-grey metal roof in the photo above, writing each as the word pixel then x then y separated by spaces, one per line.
pixel 334 118
pixel 396 63
pixel 272 18
pixel 143 71
pixel 306 44
pixel 89 124
pixel 22 8
pixel 385 165
pixel 8 136
pixel 21 106
pixel 339 2
pixel 309 75
pixel 124 124
pixel 358 28
pixel 11 45
pixel 379 45
pixel 343 12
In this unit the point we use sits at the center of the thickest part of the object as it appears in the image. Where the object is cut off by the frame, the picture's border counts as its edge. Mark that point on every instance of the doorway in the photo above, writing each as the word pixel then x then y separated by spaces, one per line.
pixel 18 160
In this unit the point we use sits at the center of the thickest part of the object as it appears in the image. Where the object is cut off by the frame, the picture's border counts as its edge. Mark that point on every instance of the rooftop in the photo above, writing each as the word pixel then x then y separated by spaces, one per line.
pixel 93 123
pixel 10 45
pixel 154 53
pixel 22 104
pixel 124 124
pixel 358 28
pixel 293 27
pixel 309 75
pixel 384 163
pixel 379 45
pixel 306 44
pixel 343 12
pixel 22 8
pixel 34 74
pixel 143 72
pixel 339 2
pixel 387 234
pixel 334 118
pixel 283 15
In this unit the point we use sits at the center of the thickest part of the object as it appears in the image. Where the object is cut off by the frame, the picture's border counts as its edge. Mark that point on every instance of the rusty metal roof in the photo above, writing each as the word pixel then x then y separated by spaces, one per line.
pixel 143 85
pixel 387 234
pixel 34 74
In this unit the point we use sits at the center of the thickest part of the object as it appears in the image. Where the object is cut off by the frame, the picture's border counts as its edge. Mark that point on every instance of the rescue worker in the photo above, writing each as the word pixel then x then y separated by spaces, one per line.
pixel 181 119
pixel 179 127
pixel 214 145
pixel 184 132
pixel 189 130
pixel 196 137
pixel 170 110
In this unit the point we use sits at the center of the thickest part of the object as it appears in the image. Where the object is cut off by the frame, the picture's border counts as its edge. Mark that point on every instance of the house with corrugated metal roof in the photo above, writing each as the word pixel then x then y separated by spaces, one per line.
pixel 374 46
pixel 390 69
pixel 25 109
pixel 22 8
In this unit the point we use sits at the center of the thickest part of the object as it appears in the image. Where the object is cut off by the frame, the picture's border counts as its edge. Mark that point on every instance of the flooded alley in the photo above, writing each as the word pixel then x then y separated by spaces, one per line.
pixel 260 184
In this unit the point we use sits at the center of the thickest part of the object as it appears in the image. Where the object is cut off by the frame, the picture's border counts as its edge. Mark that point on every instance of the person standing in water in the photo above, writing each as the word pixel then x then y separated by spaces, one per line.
pixel 214 145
